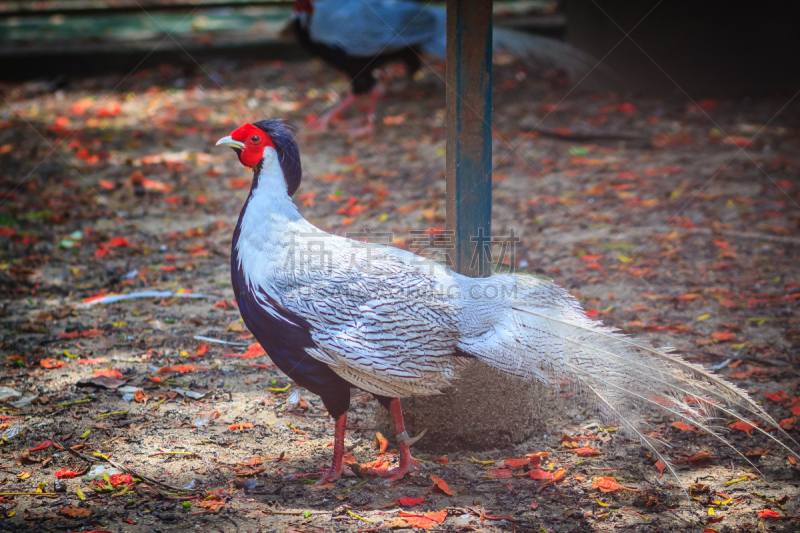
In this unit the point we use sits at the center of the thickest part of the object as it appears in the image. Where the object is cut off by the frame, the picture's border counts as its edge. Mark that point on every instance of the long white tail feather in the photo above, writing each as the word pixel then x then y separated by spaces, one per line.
pixel 550 52
pixel 540 332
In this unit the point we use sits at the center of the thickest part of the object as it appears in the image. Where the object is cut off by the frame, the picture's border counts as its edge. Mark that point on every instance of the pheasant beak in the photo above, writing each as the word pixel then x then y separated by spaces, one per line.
pixel 230 141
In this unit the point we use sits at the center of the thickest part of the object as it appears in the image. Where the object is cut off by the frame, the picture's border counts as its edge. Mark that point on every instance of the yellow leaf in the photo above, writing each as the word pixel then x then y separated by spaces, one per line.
pixel 23 475
pixel 710 511
pixel 731 482
pixel 279 389
pixel 71 356
pixel 601 504
pixel 482 462
pixel 624 258
pixel 88 431
pixel 703 317
pixel 676 194
pixel 80 494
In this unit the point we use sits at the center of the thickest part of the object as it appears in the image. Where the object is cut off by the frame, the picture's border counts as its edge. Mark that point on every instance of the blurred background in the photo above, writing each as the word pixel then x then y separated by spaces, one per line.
pixel 714 45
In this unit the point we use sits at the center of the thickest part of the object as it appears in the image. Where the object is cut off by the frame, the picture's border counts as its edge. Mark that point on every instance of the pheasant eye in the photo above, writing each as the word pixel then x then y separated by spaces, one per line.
pixel 255 139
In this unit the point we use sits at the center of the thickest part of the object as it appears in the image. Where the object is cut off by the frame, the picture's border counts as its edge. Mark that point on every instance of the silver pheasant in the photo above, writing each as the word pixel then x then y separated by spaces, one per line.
pixel 334 313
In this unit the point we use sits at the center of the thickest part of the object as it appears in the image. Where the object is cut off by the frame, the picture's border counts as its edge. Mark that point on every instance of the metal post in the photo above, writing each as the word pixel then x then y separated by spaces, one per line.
pixel 469 133
pixel 485 409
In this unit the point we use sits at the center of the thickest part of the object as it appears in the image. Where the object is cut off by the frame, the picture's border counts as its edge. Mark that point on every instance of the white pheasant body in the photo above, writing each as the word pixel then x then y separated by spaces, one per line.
pixel 397 325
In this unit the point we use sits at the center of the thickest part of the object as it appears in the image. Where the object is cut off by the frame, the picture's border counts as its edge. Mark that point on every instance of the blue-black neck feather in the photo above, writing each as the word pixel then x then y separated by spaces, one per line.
pixel 288 153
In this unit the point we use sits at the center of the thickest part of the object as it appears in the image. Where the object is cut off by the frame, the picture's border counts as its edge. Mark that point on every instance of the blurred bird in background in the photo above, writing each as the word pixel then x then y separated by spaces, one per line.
pixel 359 36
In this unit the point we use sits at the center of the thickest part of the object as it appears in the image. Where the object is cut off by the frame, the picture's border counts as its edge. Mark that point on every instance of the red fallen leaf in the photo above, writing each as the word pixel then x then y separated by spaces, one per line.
pixel 438 517
pixel 212 505
pixel 591 258
pixel 741 142
pixel 48 363
pixel 500 473
pixel 608 484
pixel 118 242
pixel 516 463
pixel 346 159
pixel 378 464
pixel 425 521
pixel 85 333
pixel 182 369
pixel 687 297
pixel 120 479
pixel 150 185
pixel 786 423
pixel 779 396
pixel 795 410
pixel 350 210
pixel 723 336
pixel 253 351
pixel 536 458
pixel 92 361
pixel 75 512
pixel 139 396
pixel 410 501
pixel 348 459
pixel 591 313
pixel 240 425
pixel 442 460
pixel 768 513
pixel 155 379
pixel 743 426
pixel 399 119
pixel 381 442
pixel 107 185
pixel 43 446
pixel 108 373
pixel 683 427
pixel 441 485
pixel 557 476
pixel 111 110
pixel 699 458
pixel 65 473
pixel 202 349
pixel 586 451
pixel 660 465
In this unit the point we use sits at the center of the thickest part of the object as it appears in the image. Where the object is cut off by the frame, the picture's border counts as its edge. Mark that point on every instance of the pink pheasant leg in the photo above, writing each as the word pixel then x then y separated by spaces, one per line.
pixel 407 462
pixel 324 120
pixel 369 128
pixel 337 465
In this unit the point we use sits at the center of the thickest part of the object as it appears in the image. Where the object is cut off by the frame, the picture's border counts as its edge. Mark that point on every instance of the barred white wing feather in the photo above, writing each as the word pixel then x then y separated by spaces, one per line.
pixel 378 320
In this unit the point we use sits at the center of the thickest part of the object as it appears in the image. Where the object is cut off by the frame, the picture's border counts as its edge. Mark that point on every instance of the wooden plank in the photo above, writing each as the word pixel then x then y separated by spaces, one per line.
pixel 123 7
pixel 469 134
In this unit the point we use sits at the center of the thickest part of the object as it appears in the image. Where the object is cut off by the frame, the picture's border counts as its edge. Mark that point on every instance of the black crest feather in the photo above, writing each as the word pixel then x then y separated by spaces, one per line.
pixel 288 153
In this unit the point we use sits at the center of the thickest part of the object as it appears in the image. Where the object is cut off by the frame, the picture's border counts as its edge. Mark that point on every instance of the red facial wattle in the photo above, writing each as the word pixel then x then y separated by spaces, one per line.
pixel 255 142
